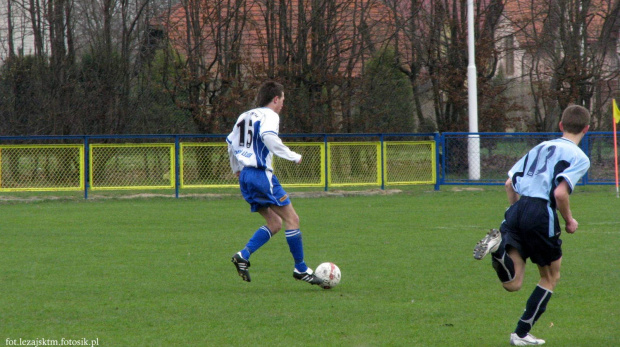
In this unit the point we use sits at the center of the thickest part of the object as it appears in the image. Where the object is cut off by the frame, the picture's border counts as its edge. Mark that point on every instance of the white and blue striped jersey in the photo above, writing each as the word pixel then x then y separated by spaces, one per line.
pixel 540 171
pixel 254 140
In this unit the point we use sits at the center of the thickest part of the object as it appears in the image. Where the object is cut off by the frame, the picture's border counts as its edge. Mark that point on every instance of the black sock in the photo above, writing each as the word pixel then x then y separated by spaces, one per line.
pixel 536 305
pixel 503 265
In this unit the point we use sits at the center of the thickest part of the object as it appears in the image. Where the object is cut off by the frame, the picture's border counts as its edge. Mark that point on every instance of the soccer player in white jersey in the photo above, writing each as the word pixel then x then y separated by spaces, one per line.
pixel 251 146
pixel 539 184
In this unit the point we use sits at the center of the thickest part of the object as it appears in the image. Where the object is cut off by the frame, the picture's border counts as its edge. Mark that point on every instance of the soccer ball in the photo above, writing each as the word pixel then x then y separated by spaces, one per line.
pixel 329 273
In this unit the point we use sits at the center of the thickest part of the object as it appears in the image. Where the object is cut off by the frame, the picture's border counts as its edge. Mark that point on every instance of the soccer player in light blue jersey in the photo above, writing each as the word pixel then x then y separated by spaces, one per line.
pixel 539 184
pixel 251 146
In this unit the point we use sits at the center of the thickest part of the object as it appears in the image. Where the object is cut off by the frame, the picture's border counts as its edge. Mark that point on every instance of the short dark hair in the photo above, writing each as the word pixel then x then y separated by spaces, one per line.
pixel 267 91
pixel 575 118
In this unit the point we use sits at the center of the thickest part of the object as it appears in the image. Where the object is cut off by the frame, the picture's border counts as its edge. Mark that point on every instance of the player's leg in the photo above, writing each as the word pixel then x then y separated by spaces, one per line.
pixel 272 220
pixel 283 207
pixel 537 303
pixel 546 253
pixel 506 258
pixel 293 234
pixel 254 188
pixel 263 234
pixel 295 243
pixel 510 266
pixel 258 239
pixel 534 308
pixel 550 274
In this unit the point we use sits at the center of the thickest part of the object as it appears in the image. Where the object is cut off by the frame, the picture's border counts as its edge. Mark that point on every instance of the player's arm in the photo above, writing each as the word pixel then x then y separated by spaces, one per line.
pixel 562 201
pixel 510 192
pixel 275 145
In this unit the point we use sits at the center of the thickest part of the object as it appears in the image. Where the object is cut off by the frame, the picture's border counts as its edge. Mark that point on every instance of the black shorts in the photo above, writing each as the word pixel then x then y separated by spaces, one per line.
pixel 531 226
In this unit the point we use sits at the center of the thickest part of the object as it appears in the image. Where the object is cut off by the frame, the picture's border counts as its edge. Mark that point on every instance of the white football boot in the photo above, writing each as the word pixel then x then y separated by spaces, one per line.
pixel 488 244
pixel 528 340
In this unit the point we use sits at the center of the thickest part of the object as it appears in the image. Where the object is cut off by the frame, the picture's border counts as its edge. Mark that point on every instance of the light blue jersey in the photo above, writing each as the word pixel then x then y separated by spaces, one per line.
pixel 540 171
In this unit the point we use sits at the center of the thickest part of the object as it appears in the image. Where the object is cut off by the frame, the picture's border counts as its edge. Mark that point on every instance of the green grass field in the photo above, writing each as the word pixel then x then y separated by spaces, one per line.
pixel 157 272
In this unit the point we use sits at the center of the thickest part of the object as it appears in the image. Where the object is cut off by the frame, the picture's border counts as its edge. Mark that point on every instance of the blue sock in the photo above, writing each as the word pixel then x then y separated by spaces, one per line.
pixel 536 305
pixel 295 244
pixel 260 237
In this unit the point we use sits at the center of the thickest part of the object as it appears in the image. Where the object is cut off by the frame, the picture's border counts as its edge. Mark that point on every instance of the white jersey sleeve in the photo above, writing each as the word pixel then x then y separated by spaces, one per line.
pixel 275 145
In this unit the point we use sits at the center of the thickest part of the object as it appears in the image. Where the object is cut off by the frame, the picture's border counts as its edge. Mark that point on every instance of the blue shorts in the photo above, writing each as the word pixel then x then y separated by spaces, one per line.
pixel 531 226
pixel 261 189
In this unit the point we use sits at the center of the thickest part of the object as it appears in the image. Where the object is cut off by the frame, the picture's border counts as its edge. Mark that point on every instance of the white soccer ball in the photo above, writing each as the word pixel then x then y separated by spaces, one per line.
pixel 329 273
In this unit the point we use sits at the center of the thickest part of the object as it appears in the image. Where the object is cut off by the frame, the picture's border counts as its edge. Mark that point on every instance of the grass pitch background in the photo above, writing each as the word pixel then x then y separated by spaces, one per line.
pixel 157 272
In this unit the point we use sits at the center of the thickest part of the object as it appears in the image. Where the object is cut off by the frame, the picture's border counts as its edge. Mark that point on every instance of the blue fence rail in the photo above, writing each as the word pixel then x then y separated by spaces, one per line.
pixel 499 151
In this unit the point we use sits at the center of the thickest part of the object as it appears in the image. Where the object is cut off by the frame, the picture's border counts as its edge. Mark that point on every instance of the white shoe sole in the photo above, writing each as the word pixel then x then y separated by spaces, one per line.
pixel 488 244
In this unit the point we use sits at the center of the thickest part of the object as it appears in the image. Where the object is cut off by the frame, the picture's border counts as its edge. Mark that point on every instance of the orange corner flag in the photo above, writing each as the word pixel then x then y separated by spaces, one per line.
pixel 616 113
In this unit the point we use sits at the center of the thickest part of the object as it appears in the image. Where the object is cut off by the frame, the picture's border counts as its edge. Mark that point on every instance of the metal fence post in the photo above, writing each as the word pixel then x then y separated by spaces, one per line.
pixel 86 166
pixel 442 158
pixel 585 146
pixel 326 162
pixel 382 163
pixel 177 166
pixel 437 139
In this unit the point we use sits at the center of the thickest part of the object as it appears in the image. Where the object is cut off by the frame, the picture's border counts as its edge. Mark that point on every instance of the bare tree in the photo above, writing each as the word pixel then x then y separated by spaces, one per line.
pixel 9 31
pixel 210 83
pixel 410 39
pixel 570 57
pixel 320 49
pixel 368 29
pixel 229 46
pixel 111 32
pixel 94 69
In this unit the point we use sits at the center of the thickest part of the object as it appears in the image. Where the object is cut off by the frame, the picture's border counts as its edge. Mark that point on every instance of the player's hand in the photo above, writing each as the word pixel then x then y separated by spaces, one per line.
pixel 299 161
pixel 571 225
pixel 237 173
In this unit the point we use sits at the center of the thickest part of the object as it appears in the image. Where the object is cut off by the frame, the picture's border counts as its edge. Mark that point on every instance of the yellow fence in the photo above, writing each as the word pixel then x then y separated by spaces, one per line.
pixel 41 167
pixel 206 165
pixel 410 162
pixel 309 173
pixel 131 166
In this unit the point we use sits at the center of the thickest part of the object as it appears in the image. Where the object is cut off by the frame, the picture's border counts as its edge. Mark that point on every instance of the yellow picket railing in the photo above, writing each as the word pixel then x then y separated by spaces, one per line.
pixel 206 165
